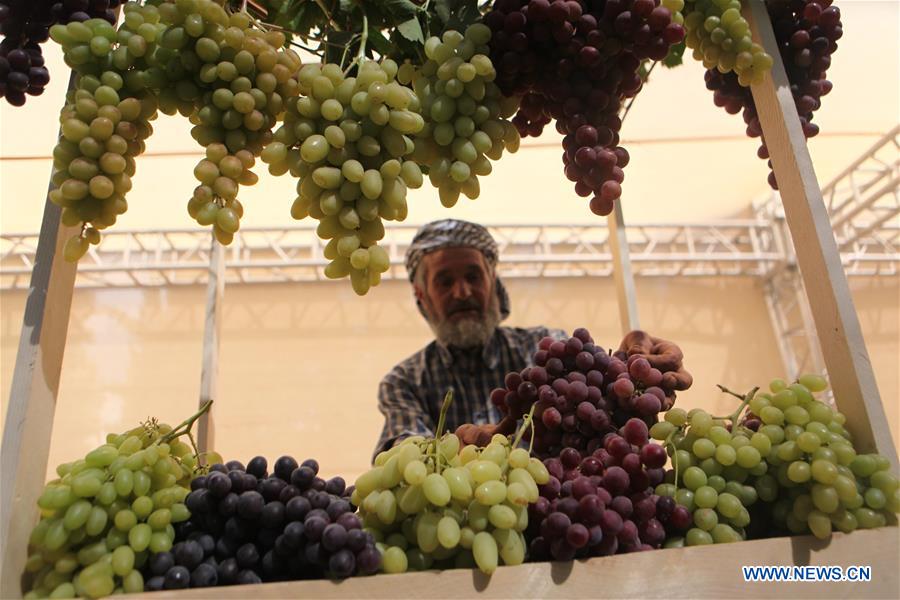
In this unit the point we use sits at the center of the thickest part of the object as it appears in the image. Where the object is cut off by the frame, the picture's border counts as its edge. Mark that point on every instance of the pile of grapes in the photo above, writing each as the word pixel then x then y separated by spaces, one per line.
pixel 592 412
pixel 25 25
pixel 248 526
pixel 349 141
pixel 785 450
pixel 465 115
pixel 431 504
pixel 106 513
pixel 576 61
pixel 580 393
pixel 807 32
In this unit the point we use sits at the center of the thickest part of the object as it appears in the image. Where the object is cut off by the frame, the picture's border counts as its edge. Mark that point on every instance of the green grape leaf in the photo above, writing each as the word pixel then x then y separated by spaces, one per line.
pixel 462 14
pixel 444 8
pixel 379 43
pixel 346 6
pixel 674 57
pixel 400 10
pixel 412 30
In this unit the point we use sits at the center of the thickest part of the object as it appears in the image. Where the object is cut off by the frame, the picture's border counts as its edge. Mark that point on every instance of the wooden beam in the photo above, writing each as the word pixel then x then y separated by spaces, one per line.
pixel 209 372
pixel 622 273
pixel 843 347
pixel 712 571
pixel 32 398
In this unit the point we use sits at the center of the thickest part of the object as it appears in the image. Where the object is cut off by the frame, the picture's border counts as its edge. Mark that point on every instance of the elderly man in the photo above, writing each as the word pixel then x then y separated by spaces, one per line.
pixel 452 267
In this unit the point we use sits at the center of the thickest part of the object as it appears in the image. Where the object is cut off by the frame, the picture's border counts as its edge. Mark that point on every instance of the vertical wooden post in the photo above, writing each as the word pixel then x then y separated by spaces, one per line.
pixel 209 374
pixel 624 277
pixel 32 398
pixel 843 347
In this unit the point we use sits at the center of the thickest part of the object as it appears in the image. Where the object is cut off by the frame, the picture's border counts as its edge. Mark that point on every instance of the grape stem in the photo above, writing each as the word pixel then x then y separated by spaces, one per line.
pixel 328 16
pixel 526 422
pixel 745 400
pixel 633 98
pixel 448 400
pixel 361 55
pixel 185 426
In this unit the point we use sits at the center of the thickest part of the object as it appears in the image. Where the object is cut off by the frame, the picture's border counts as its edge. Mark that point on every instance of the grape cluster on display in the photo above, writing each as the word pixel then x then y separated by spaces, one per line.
pixel 106 513
pixel 247 525
pixel 603 503
pixel 580 393
pixel 783 461
pixel 465 115
pixel 576 61
pixel 349 141
pixel 807 32
pixel 431 504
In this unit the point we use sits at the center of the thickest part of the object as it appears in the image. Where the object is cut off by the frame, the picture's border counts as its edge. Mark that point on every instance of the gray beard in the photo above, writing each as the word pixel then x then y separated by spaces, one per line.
pixel 469 332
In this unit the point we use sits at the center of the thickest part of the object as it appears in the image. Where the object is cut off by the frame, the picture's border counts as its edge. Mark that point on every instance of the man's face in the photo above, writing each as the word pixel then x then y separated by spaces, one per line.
pixel 457 293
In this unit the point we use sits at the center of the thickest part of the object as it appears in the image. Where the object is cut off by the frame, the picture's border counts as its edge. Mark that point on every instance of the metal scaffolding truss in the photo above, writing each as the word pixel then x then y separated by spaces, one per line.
pixel 181 257
pixel 863 203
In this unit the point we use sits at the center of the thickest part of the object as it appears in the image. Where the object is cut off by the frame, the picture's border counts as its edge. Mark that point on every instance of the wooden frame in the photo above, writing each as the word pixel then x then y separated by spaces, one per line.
pixel 669 573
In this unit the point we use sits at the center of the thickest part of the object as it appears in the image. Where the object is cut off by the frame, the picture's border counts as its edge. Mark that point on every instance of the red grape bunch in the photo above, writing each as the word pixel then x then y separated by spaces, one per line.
pixel 602 503
pixel 807 32
pixel 576 61
pixel 581 393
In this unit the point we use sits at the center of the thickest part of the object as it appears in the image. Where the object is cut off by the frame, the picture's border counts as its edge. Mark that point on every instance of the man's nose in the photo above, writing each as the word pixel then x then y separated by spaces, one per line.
pixel 461 289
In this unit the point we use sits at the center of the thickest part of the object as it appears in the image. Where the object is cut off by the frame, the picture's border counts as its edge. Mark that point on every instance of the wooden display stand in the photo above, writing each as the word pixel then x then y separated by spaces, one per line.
pixel 707 572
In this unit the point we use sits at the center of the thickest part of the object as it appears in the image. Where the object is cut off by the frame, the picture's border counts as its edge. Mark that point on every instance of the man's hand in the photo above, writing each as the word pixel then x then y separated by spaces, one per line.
pixel 480 435
pixel 661 354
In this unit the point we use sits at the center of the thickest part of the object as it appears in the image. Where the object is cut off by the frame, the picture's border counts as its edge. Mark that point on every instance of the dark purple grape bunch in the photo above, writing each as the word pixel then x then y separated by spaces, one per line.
pixel 250 526
pixel 575 62
pixel 807 32
pixel 24 26
pixel 602 503
pixel 66 11
pixel 581 394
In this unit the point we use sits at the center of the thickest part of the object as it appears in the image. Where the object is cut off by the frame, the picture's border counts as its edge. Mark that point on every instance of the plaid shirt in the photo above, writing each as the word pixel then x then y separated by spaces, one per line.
pixel 410 396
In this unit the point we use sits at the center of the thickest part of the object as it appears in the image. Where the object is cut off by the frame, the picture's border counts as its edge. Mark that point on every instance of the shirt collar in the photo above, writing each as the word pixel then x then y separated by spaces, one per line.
pixel 490 353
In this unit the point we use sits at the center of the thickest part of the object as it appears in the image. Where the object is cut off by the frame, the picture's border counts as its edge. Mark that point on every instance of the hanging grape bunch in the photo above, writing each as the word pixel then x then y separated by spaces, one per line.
pixel 105 513
pixel 349 141
pixel 807 32
pixel 104 125
pixel 465 114
pixel 720 38
pixel 230 78
pixel 25 25
pixel 576 62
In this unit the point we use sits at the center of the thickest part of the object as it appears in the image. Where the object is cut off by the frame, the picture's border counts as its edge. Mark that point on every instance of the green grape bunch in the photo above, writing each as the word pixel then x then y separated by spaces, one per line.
pixel 106 513
pixel 720 38
pixel 103 127
pixel 429 503
pixel 466 116
pixel 230 77
pixel 785 450
pixel 349 141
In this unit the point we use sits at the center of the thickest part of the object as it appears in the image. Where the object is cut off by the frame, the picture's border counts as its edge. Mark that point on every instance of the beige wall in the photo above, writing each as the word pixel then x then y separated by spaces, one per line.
pixel 300 363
